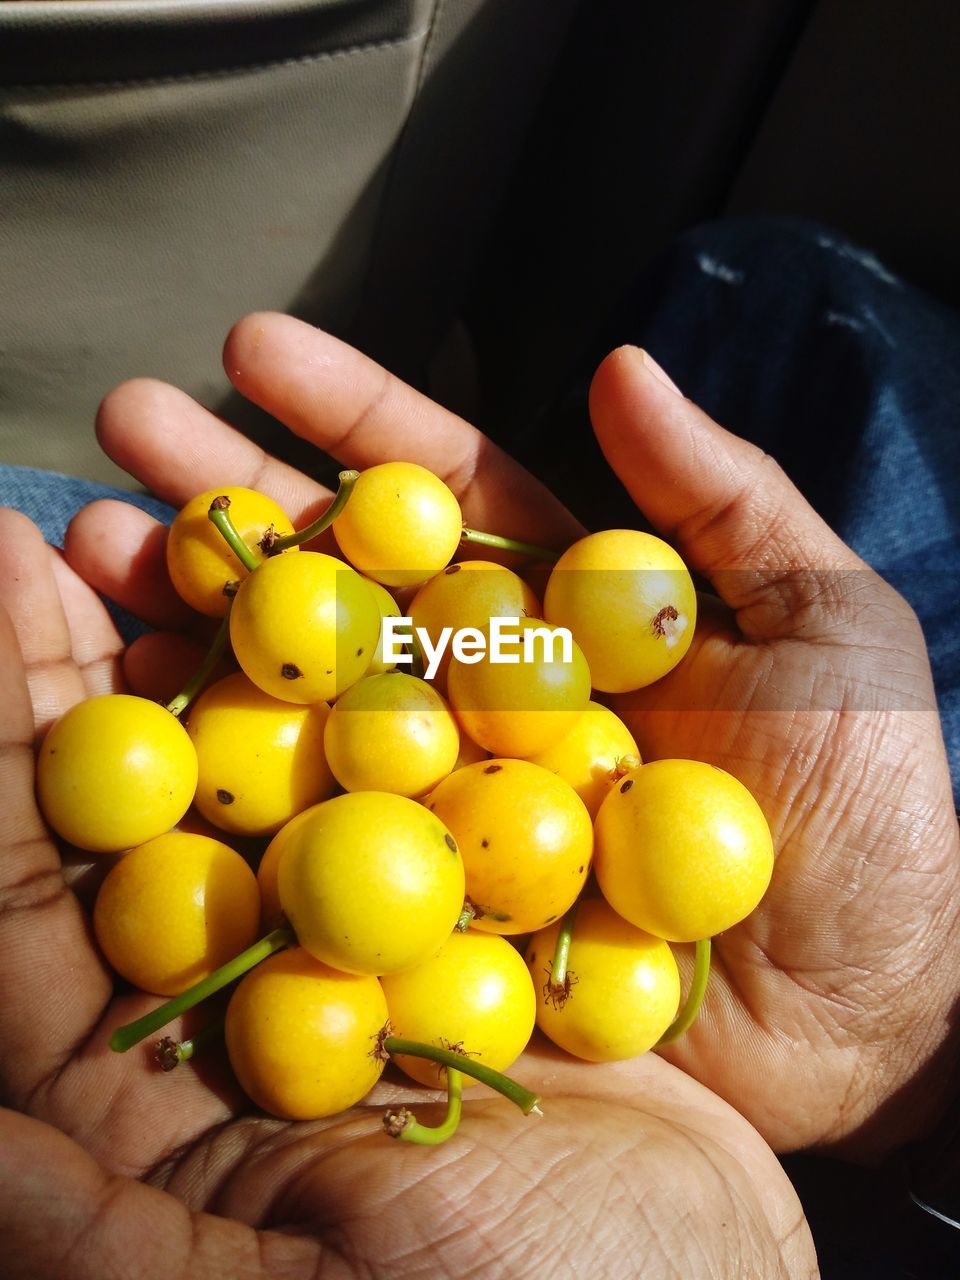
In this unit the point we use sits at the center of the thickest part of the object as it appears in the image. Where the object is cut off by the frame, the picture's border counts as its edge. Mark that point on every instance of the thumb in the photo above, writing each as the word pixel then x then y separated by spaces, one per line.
pixel 731 511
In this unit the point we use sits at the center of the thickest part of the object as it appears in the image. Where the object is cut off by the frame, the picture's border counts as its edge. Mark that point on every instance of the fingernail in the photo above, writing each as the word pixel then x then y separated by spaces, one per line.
pixel 657 372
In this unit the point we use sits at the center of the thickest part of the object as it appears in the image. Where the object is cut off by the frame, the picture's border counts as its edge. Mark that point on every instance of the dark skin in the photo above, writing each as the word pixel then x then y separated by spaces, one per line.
pixel 826 1004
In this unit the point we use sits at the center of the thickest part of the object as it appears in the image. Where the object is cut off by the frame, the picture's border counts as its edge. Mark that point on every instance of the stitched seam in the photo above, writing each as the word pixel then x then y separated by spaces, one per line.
pixel 221 73
pixel 430 41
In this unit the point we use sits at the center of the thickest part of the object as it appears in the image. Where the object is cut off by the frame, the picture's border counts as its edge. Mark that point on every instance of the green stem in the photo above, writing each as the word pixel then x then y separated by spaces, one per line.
pixel 468 914
pixel 509 544
pixel 219 513
pixel 126 1037
pixel 183 699
pixel 403 1124
pixel 523 1098
pixel 170 1053
pixel 561 954
pixel 347 480
pixel 698 987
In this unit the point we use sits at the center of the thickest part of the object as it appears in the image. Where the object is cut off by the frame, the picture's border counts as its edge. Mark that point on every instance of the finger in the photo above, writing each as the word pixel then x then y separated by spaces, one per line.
pixel 177 449
pixel 29 591
pixel 351 407
pixel 94 641
pixel 733 513
pixel 55 989
pixel 159 665
pixel 121 551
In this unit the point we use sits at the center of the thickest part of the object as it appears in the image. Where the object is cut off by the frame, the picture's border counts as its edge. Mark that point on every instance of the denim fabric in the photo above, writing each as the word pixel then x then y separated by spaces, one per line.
pixel 807 345
pixel 51 500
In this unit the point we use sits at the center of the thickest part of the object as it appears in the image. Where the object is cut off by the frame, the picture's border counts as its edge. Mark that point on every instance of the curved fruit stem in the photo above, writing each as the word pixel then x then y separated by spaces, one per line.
pixel 528 1102
pixel 219 513
pixel 698 988
pixel 509 544
pixel 179 704
pixel 403 1124
pixel 126 1037
pixel 557 987
pixel 347 480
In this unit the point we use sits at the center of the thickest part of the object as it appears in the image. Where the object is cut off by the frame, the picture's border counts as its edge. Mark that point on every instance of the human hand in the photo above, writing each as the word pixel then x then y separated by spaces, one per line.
pixel 809 682
pixel 830 1017
pixel 117 1168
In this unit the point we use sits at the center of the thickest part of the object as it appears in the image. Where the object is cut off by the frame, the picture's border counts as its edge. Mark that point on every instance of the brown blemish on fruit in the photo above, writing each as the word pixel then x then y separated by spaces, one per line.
pixel 225 796
pixel 290 671
pixel 626 786
pixel 493 768
pixel 360 651
pixel 453 568
pixel 484 843
pixel 451 843
pixel 667 613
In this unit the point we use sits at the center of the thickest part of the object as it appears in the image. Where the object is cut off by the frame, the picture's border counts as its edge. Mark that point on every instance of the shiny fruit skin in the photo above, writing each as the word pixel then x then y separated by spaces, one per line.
pixel 588 754
pixel 525 837
pixel 198 559
pixel 624 986
pixel 630 603
pixel 401 525
pixel 371 882
pixel 174 909
pixel 302 1037
pixel 520 709
pixel 261 760
pixel 683 850
pixel 268 873
pixel 304 627
pixel 388 609
pixel 114 771
pixel 391 732
pixel 475 993
pixel 469 595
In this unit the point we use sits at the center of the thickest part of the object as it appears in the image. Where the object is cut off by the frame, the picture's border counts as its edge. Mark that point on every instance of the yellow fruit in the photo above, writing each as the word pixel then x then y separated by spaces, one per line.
pixel 175 909
pixel 623 990
pixel 302 1037
pixel 682 850
pixel 401 525
pixel 115 771
pixel 304 627
pixel 261 760
pixel 391 732
pixel 525 838
pixel 469 595
pixel 198 559
pixel 520 709
pixel 589 755
pixel 371 882
pixel 630 603
pixel 474 994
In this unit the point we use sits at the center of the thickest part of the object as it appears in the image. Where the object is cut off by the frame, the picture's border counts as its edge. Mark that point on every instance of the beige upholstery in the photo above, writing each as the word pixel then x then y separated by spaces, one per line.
pixel 168 165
